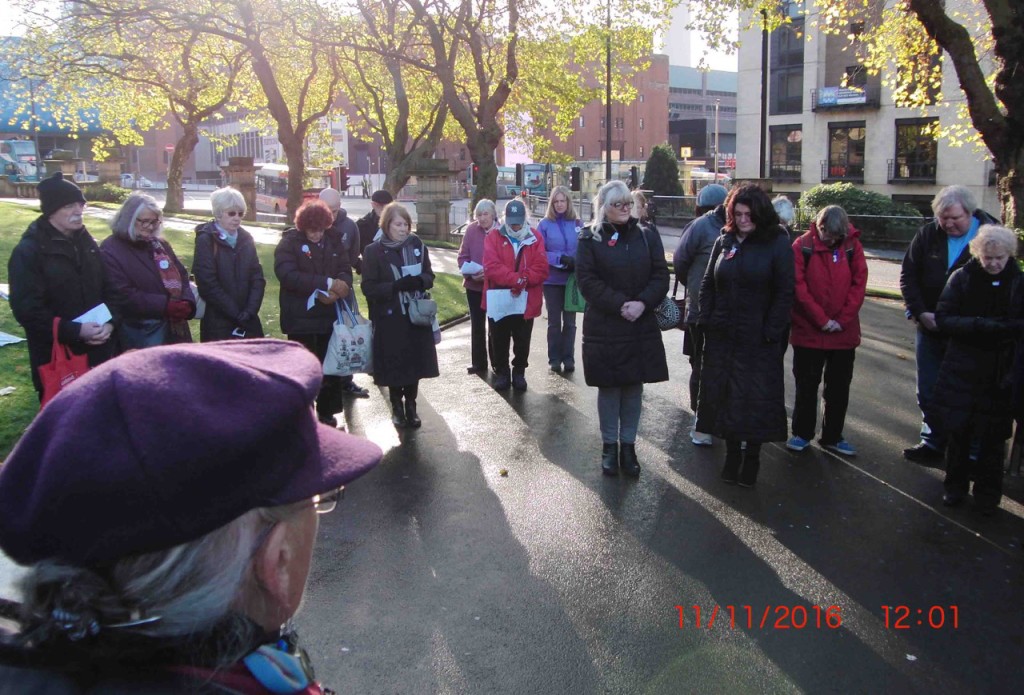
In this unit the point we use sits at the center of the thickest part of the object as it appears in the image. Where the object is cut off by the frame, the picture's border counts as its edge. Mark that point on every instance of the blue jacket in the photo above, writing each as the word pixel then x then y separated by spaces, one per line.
pixel 560 239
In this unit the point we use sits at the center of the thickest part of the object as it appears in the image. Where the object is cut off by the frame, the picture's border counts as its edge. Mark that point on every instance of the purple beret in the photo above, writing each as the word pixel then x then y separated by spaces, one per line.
pixel 161 446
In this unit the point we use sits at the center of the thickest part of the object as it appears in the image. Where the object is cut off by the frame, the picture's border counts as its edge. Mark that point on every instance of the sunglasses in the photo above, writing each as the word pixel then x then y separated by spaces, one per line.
pixel 234 213
pixel 622 206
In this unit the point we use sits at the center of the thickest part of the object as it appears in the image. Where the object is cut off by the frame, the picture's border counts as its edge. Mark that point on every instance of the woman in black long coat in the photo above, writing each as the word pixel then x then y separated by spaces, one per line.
pixel 311 258
pixel 147 282
pixel 745 301
pixel 228 272
pixel 623 275
pixel 981 309
pixel 395 268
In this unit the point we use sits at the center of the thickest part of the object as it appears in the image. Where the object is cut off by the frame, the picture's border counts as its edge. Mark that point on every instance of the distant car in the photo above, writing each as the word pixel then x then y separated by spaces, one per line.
pixel 144 182
pixel 127 181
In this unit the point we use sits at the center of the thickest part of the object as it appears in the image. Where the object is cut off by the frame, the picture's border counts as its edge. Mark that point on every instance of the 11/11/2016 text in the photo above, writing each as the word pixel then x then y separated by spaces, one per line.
pixel 770 617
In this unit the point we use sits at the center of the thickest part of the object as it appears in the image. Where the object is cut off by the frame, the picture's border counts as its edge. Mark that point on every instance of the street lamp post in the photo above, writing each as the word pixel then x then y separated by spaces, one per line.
pixel 608 93
pixel 718 103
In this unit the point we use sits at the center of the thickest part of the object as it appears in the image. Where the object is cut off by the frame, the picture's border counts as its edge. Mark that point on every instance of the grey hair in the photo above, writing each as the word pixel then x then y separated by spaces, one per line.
pixel 224 199
pixel 570 212
pixel 123 221
pixel 994 236
pixel 784 209
pixel 485 205
pixel 954 195
pixel 610 193
pixel 186 590
pixel 832 220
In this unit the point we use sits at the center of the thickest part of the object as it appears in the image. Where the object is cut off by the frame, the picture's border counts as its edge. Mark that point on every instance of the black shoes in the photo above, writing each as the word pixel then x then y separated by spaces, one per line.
pixel 502 382
pixel 922 453
pixel 569 367
pixel 627 460
pixel 953 499
pixel 610 459
pixel 353 389
pixel 411 418
pixel 476 370
pixel 519 380
pixel 748 476
pixel 398 414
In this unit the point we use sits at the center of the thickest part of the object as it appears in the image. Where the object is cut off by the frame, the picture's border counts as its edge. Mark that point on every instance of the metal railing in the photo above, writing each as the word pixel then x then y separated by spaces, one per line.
pixel 842 171
pixel 915 172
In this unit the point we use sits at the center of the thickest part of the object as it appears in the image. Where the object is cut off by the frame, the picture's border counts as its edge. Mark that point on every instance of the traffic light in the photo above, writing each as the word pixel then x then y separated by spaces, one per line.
pixel 520 175
pixel 634 177
pixel 574 179
pixel 342 178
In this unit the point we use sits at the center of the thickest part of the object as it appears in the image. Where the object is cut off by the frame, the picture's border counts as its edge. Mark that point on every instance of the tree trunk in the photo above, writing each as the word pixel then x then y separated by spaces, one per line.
pixel 183 149
pixel 481 144
pixel 294 152
pixel 1010 170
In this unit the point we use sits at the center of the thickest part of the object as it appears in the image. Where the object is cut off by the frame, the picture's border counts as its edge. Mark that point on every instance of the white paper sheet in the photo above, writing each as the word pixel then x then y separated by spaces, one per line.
pixel 470 268
pixel 98 314
pixel 312 298
pixel 414 269
pixel 8 339
pixel 501 303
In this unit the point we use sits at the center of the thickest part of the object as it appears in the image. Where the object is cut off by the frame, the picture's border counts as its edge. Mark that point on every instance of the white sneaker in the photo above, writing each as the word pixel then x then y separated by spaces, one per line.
pixel 700 438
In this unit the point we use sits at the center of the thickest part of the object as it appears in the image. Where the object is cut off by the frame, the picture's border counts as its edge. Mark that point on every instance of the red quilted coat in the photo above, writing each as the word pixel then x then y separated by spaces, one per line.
pixel 500 268
pixel 829 285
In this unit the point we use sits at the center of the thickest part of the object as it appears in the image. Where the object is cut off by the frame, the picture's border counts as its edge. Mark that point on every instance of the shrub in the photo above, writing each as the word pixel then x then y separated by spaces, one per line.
pixel 105 193
pixel 661 174
pixel 878 217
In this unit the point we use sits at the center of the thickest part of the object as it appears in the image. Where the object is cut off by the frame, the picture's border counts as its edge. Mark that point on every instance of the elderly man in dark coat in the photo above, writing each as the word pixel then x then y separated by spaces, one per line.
pixel 55 271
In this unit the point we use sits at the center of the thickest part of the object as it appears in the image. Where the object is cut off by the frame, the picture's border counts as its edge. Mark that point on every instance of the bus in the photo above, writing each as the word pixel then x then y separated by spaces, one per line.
pixel 19 160
pixel 535 180
pixel 272 186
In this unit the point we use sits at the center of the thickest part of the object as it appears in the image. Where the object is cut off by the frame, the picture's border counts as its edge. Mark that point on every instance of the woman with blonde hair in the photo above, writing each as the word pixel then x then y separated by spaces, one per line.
pixel 623 276
pixel 560 230
pixel 982 311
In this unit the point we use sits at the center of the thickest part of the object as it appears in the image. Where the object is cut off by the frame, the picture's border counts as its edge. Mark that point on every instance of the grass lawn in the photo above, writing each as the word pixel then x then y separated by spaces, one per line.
pixel 18 409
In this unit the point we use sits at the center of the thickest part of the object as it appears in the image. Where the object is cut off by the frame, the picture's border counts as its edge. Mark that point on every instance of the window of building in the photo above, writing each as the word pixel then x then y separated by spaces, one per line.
pixel 786 152
pixel 581 152
pixel 641 98
pixel 856 76
pixel 581 121
pixel 462 154
pixel 620 123
pixel 641 124
pixel 641 151
pixel 846 151
pixel 916 150
pixel 602 123
pixel 720 93
pixel 787 95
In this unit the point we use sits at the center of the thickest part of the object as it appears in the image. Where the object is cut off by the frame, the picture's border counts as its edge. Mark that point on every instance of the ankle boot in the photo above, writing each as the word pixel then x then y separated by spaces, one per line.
pixel 411 418
pixel 731 469
pixel 751 465
pixel 518 380
pixel 398 414
pixel 627 460
pixel 610 459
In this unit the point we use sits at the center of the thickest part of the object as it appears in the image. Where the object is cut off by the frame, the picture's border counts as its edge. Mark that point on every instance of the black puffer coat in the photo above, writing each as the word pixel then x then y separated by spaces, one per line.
pixel 617 352
pixel 983 315
pixel 745 302
pixel 231 282
pixel 52 275
pixel 402 353
pixel 303 267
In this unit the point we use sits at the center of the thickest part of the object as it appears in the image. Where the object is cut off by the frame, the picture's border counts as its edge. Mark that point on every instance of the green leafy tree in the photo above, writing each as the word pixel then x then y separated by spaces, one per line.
pixel 661 174
pixel 903 41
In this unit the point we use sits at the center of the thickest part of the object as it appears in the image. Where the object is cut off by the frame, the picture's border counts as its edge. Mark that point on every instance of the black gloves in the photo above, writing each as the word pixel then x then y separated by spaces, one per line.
pixel 410 283
pixel 568 261
pixel 243 318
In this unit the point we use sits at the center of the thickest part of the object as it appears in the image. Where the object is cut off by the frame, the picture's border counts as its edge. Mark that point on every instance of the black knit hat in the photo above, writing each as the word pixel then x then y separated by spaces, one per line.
pixel 56 192
pixel 382 197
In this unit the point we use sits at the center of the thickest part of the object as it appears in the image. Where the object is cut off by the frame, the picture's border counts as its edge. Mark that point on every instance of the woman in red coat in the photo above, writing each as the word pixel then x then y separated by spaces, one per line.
pixel 514 263
pixel 831 275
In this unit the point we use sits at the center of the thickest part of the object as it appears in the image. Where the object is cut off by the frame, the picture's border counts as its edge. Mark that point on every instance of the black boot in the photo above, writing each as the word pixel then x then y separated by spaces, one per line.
pixel 627 460
pixel 610 459
pixel 751 465
pixel 733 457
pixel 518 380
pixel 411 418
pixel 398 413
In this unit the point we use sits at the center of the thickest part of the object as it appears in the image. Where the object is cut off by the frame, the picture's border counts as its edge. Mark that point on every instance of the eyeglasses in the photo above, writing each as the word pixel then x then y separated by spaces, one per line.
pixel 622 206
pixel 151 223
pixel 234 213
pixel 326 503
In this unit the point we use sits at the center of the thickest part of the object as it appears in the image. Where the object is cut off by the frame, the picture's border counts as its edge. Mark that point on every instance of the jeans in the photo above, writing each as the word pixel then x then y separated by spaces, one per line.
pixel 618 411
pixel 930 349
pixel 808 364
pixel 478 330
pixel 514 330
pixel 561 327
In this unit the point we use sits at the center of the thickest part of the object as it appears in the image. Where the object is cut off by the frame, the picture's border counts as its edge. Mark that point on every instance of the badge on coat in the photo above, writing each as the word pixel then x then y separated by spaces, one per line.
pixel 732 252
pixel 614 240
pixel 164 265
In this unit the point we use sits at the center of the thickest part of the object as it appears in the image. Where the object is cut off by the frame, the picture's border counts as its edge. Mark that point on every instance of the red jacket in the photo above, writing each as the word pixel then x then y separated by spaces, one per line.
pixel 829 285
pixel 500 268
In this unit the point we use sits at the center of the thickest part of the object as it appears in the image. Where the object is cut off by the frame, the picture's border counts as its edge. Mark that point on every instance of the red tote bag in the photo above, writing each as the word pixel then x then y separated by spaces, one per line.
pixel 63 368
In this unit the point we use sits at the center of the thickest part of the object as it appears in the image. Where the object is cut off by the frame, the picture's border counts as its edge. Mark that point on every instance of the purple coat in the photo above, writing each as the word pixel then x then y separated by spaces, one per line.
pixel 560 239
pixel 472 249
pixel 135 287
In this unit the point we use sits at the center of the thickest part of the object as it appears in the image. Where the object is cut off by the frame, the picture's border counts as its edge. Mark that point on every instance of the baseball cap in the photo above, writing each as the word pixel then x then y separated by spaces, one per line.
pixel 160 446
pixel 515 212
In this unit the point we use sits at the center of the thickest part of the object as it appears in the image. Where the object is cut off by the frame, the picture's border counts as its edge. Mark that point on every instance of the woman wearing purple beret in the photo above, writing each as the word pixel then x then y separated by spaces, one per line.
pixel 158 563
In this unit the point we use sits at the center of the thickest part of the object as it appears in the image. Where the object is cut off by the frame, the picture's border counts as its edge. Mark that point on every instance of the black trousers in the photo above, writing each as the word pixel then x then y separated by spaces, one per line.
pixel 329 401
pixel 808 364
pixel 478 330
pixel 987 470
pixel 514 330
pixel 696 344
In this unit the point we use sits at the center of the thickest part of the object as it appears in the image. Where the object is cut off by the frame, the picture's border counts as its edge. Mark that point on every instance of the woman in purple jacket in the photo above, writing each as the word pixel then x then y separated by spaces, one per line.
pixel 472 251
pixel 148 284
pixel 560 229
